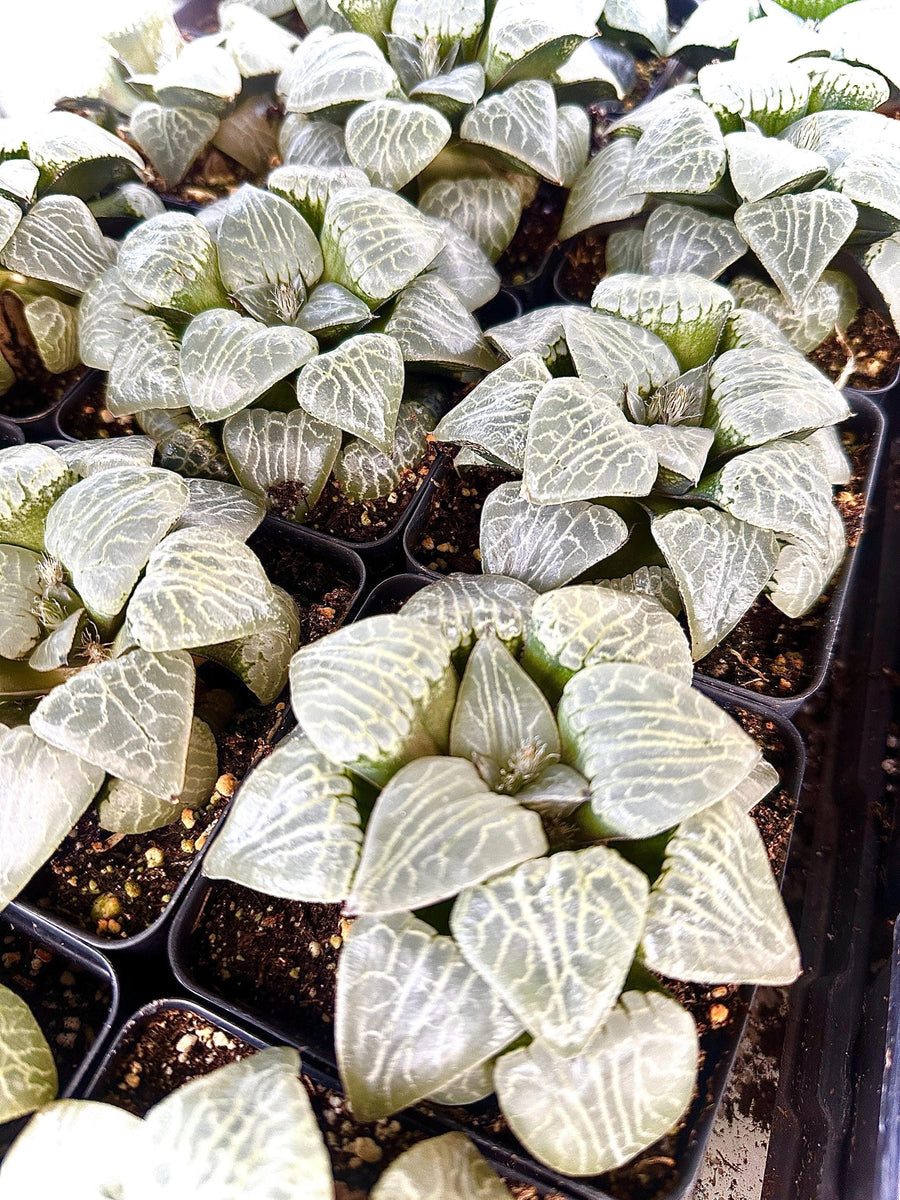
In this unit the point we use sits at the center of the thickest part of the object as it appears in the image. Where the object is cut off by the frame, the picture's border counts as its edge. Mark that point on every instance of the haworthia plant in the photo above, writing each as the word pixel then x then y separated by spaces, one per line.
pixel 108 581
pixel 28 1077
pixel 523 752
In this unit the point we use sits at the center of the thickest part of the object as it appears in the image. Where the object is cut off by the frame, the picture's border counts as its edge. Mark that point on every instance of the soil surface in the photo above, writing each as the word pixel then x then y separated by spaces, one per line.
pixel 90 418
pixel 29 398
pixel 68 1002
pixel 365 520
pixel 583 267
pixel 448 539
pixel 874 343
pixel 212 176
pixel 534 238
pixel 323 593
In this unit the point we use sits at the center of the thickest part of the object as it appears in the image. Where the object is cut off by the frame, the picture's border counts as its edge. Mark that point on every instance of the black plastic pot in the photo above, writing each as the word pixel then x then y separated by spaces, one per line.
pixel 39 424
pixel 505 306
pixel 720 1046
pixel 391 594
pixel 86 959
pixel 10 433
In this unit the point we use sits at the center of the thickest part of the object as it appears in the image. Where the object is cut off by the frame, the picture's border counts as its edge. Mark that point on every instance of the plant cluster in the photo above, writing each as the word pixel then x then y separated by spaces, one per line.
pixel 114 576
pixel 527 809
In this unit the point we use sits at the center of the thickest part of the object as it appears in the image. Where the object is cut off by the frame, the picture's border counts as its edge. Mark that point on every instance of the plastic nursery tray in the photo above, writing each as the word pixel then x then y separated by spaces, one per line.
pixel 88 959
pixel 720 1045
pixel 10 433
pixel 868 420
pixel 152 940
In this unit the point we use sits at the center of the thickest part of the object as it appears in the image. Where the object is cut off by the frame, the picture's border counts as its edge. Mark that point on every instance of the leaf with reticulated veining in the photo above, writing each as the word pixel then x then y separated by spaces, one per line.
pixel 60 241
pixel 556 937
pixel 678 238
pixel 262 659
pixel 254 1119
pixel 200 586
pixel 172 138
pixel 761 167
pixel 682 151
pixel 686 311
pixel 340 68
pixel 18 182
pixel 332 311
pixel 228 361
pixel 269 448
pixel 519 123
pixel 581 446
pixel 20 589
pixel 871 178
pixel 449 1162
pixel 357 387
pixel 623 355
pixel 835 134
pixel 366 473
pixel 183 444
pixel 105 313
pixel 833 301
pixel 573 141
pixel 654 749
pixel 433 328
pixel 43 792
pixel 545 545
pixel 54 329
pixel 78 156
pixel 126 808
pixel 629 1086
pixel 488 210
pixel 464 266
pixel 308 188
pixel 658 582
pixel 257 45
pixel 421 1018
pixel 599 193
pixel 444 22
pixel 748 329
pixel 32 478
pixel 293 829
pixel 133 200
pixel 842 86
pixel 529 40
pixel 795 237
pixel 28 1077
pixel 104 528
pixel 715 915
pixel 436 828
pixel 202 75
pixel 681 451
pixel 558 791
pixel 465 607
pixel 375 243
pixel 453 92
pixel 146 371
pixel 578 626
pixel 721 565
pixel 10 216
pixel 835 459
pixel 221 506
pixel 170 261
pixel 317 144
pixel 393 140
pixel 882 261
pixel 53 652
pixel 493 417
pixel 376 694
pixel 803 569
pixel 770 98
pixel 129 715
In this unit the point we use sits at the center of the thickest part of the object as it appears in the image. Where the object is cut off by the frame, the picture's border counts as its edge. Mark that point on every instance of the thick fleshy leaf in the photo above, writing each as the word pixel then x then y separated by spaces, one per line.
pixel 411 1015
pixel 556 937
pixel 269 448
pixel 445 22
pixel 833 301
pixel 43 792
pixel 545 545
pixel 625 356
pixel 628 1087
pixel 581 446
pixel 526 39
pixel 59 241
pixel 658 582
pixel 105 313
pixel 763 167
pixel 129 715
pixel 715 915
pixel 599 194
pixel 126 808
pixel 681 451
pixel 330 70
pixel 228 361
pixel 624 249
pixel 356 387
pixel 317 144
pixel 747 329
pixel 257 45
pixel 835 460
pixel 573 142
pixel 104 528
pixel 435 829
pixel 449 1162
pixel 871 178
pixel 464 267
pixel 488 210
pixel 453 92
pixel 677 238
pixel 805 566
pixel 145 371
pixel 200 586
pixel 375 243
pixel 721 565
pixel 78 156
pixel 717 25
pixel 18 183
pixel 134 200
pixel 262 659
pixel 795 237
pixel 221 506
pixel 493 417
pixel 365 473
pixel 10 216
pixel 376 695
pixel 293 830
pixel 184 446
pixel 433 327
pixel 681 152
pixel 769 99
pixel 172 138
pixel 465 607
pixel 866 36
pixel 840 85
pixel 255 1119
pixel 520 124
pixel 28 1077
pixel 20 589
pixel 882 261
pixel 835 135
pixel 54 328
pixel 170 261
pixel 32 478
pixel 578 626
pixel 393 140
pixel 655 750
pixel 308 188
pixel 332 311
pixel 53 652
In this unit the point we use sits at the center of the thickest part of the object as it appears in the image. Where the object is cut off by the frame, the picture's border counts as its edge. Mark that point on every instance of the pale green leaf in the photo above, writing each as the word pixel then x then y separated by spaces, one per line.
pixel 365 473
pixel 326 72
pixel 835 134
pixel 444 22
pixel 332 311
pixel 453 92
pixel 658 582
pixel 170 261
pixel 10 216
pixel 677 238
pixel 526 39
pixel 599 194
pixel 464 266
pixel 832 302
pixel 520 124
pixel 573 142
pixel 172 138
pixel 835 460
pixel 20 589
pixel 805 566
pixel 871 178
pixel 203 76
pixel 681 451
pixel 648 19
pixel 268 448
pixel 393 140
pixel 262 659
pixel 433 328
pixel 840 85
pixel 105 313
pixel 682 151
pixel 449 1162
pixel 769 98
pixel 59 241
pixel 219 505
pixel 882 261
pixel 763 167
pixel 309 188
pixel 145 371
pixel 78 156
pixel 488 210
pixel 257 45
pixel 356 387
pixel 53 326
pixel 465 607
pixel 28 1077
pixel 317 144
pixel 32 478
pixel 626 356
pixel 716 23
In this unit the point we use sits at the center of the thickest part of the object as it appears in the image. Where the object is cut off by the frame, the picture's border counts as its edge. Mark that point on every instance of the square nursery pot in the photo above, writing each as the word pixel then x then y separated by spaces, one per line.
pixel 666 1171
pixel 10 433
pixel 818 640
pixel 285 549
pixel 77 1007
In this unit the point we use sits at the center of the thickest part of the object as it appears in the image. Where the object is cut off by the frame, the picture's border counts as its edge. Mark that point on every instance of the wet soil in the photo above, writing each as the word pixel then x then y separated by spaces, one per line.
pixel 874 343
pixel 534 238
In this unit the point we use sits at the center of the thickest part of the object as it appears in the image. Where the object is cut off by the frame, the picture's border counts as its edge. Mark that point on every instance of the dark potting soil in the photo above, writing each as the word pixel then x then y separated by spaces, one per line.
pixel 448 540
pixel 68 1002
pixel 873 340
pixel 90 418
pixel 212 176
pixel 322 593
pixel 535 236
pixel 584 266
pixel 27 398
pixel 362 520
